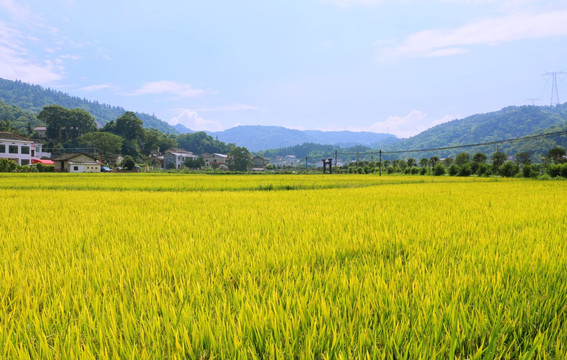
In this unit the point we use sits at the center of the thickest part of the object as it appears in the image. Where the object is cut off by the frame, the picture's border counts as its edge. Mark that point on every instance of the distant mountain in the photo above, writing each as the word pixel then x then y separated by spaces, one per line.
pixel 508 123
pixel 33 98
pixel 182 129
pixel 256 137
pixel 351 138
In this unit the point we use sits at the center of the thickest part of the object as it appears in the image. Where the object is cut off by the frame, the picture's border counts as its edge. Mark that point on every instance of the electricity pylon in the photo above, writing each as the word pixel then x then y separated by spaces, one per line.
pixel 554 89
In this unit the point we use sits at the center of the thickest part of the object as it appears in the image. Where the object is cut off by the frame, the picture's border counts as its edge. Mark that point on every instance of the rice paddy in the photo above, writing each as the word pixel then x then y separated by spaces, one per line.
pixel 281 266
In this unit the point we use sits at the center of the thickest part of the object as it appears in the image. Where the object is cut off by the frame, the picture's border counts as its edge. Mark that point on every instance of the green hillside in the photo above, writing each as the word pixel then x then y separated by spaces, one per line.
pixel 12 118
pixel 32 98
pixel 508 123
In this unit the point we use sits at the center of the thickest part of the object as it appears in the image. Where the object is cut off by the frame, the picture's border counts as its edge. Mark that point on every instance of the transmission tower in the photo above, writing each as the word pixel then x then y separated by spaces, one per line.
pixel 554 89
pixel 532 100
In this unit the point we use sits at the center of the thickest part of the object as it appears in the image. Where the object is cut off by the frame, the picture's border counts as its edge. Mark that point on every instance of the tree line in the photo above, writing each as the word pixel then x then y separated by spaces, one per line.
pixel 463 164
pixel 75 129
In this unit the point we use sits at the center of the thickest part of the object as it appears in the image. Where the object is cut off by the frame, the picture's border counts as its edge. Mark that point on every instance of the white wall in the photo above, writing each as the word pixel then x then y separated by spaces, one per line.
pixel 21 159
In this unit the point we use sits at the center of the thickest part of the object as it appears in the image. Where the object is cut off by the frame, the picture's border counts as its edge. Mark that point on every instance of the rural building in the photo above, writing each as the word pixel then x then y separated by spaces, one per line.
pixel 288 160
pixel 41 131
pixel 21 150
pixel 156 161
pixel 174 158
pixel 76 162
pixel 259 163
pixel 215 160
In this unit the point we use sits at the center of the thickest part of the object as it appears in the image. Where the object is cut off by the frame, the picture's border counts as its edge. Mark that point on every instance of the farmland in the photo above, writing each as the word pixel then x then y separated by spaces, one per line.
pixel 258 266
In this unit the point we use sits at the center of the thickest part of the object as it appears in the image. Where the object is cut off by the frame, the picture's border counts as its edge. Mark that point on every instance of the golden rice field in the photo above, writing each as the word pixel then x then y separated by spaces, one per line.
pixel 163 266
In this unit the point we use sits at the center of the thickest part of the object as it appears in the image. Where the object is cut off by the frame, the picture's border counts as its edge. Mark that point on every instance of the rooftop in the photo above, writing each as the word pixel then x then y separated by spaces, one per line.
pixel 4 135
pixel 70 156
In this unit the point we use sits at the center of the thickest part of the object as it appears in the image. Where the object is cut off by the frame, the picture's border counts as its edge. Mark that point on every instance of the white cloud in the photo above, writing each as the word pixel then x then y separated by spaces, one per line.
pixel 180 90
pixel 19 12
pixel 438 42
pixel 16 63
pixel 14 68
pixel 192 120
pixel 96 87
pixel 405 126
pixel 228 108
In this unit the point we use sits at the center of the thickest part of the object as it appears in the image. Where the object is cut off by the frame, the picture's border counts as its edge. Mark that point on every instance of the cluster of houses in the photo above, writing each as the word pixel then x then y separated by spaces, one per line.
pixel 24 151
pixel 176 157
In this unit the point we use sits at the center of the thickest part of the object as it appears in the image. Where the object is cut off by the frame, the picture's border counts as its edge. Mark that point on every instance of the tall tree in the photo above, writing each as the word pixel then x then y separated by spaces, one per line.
pixel 433 161
pixel 55 118
pixel 155 140
pixel 479 158
pixel 129 126
pixel 65 125
pixel 556 154
pixel 523 158
pixel 79 122
pixel 239 159
pixel 6 125
pixel 498 158
pixel 200 142
pixel 462 159
pixel 106 144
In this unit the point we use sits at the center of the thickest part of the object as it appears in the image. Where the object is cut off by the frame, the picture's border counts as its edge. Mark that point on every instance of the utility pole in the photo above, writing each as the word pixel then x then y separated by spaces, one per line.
pixel 380 152
pixel 554 89
pixel 306 163
pixel 335 157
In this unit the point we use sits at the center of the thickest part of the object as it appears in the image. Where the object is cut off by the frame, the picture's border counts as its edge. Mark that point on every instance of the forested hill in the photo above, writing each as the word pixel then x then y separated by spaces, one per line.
pixel 33 98
pixel 12 118
pixel 510 122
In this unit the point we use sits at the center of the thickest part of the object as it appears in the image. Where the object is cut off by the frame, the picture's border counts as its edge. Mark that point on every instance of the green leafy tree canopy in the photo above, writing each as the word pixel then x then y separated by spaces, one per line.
pixel 239 159
pixel 104 143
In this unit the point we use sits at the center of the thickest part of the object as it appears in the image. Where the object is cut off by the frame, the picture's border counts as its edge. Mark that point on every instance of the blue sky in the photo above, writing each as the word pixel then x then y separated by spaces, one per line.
pixel 388 66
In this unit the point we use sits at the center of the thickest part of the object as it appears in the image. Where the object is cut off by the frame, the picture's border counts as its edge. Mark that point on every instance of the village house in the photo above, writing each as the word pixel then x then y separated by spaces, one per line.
pixel 155 161
pixel 77 163
pixel 259 163
pixel 288 160
pixel 174 158
pixel 21 150
pixel 41 131
pixel 216 161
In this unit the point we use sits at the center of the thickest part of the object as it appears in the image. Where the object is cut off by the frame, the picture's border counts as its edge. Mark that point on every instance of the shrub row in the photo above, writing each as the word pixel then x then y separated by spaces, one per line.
pixel 10 166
